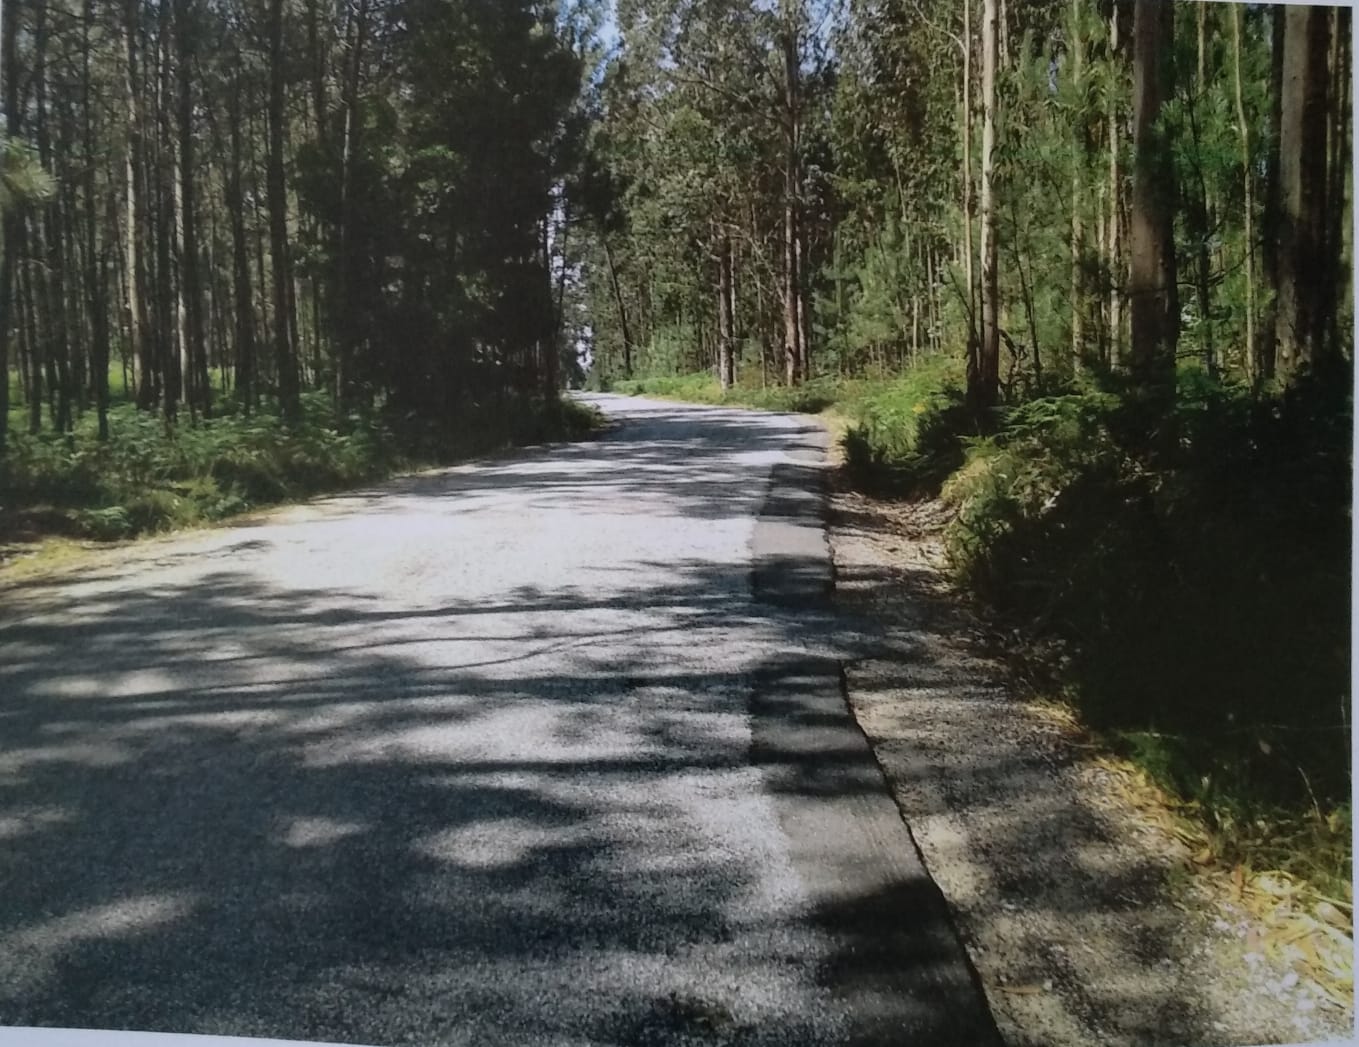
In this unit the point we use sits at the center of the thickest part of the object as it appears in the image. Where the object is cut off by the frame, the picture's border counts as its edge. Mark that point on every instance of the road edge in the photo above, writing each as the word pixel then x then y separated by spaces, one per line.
pixel 898 963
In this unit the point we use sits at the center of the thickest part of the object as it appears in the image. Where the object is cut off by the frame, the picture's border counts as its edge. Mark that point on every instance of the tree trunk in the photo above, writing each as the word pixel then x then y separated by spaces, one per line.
pixel 192 289
pixel 986 389
pixel 1271 225
pixel 969 274
pixel 47 230
pixel 1154 298
pixel 349 273
pixel 32 336
pixel 184 367
pixel 1338 288
pixel 9 76
pixel 1199 208
pixel 622 309
pixel 246 382
pixel 95 258
pixel 1304 312
pixel 1077 176
pixel 1252 360
pixel 134 217
pixel 793 346
pixel 166 234
pixel 285 359
pixel 1114 238
pixel 725 334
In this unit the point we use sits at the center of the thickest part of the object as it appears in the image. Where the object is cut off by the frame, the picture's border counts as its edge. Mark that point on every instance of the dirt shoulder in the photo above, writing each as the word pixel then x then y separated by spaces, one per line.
pixel 1083 913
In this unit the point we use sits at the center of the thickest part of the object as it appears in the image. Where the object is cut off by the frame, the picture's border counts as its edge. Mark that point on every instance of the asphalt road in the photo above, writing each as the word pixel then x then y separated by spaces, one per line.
pixel 547 749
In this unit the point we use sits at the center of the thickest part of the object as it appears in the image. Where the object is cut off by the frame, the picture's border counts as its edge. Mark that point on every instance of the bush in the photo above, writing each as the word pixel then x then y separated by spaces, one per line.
pixel 909 432
pixel 1201 595
pixel 148 477
pixel 703 388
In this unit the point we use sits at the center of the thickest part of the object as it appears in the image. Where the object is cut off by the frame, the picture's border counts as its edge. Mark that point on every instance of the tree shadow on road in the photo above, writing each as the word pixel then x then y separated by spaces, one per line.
pixel 233 806
pixel 230 809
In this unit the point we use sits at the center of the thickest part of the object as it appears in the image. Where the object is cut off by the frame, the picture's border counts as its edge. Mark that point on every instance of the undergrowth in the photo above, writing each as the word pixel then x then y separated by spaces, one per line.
pixel 702 388
pixel 149 477
pixel 1198 599
pixel 1191 604
pixel 907 437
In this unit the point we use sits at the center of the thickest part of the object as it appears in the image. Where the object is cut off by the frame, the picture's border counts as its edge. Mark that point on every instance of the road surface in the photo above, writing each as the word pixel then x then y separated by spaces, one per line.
pixel 546 749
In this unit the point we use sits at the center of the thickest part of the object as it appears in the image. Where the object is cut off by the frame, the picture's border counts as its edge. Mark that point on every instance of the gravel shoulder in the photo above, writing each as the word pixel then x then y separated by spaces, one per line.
pixel 1078 911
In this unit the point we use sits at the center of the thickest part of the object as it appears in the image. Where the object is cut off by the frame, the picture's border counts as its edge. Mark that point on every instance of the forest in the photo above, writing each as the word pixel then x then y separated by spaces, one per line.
pixel 252 249
pixel 1082 269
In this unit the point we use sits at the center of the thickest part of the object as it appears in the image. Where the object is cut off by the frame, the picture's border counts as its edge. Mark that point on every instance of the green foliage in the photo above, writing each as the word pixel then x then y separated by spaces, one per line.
pixel 576 421
pixel 909 431
pixel 1199 599
pixel 22 177
pixel 701 388
pixel 147 478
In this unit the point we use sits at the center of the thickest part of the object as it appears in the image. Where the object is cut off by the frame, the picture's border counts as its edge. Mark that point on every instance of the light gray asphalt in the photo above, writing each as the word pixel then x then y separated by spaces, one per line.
pixel 546 749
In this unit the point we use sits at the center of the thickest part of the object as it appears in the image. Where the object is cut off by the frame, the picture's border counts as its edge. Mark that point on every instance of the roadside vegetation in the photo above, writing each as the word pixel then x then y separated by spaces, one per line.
pixel 149 477
pixel 1089 282
pixel 224 283
pixel 1193 608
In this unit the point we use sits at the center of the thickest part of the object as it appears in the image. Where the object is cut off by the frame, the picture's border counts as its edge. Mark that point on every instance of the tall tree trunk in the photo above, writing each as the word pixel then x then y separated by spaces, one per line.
pixel 169 343
pixel 1304 313
pixel 349 273
pixel 95 256
pixel 1153 294
pixel 1338 287
pixel 9 83
pixel 1271 226
pixel 1114 238
pixel 969 258
pixel 246 381
pixel 192 290
pixel 1077 178
pixel 36 361
pixel 47 231
pixel 285 359
pixel 793 355
pixel 1199 205
pixel 623 328
pixel 804 320
pixel 134 215
pixel 1251 355
pixel 725 333
pixel 986 389
pixel 317 54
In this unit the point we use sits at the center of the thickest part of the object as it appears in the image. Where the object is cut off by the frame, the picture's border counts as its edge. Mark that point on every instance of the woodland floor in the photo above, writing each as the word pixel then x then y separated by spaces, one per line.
pixel 1080 908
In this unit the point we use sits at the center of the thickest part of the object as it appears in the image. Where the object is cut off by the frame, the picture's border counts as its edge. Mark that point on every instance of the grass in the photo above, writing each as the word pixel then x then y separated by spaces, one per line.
pixel 809 398
pixel 149 478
